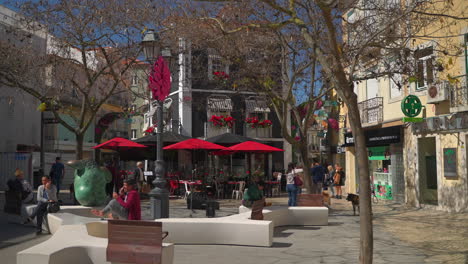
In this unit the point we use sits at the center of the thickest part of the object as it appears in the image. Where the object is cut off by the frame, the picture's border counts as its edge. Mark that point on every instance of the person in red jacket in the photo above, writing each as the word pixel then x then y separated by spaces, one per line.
pixel 125 205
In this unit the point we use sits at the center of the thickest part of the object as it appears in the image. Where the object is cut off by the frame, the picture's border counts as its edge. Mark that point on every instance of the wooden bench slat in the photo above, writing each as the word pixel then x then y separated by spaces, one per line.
pixel 134 241
pixel 310 200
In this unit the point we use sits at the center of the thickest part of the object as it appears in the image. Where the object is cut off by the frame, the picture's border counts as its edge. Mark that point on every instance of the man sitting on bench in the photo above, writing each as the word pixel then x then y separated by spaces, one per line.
pixel 46 193
pixel 125 205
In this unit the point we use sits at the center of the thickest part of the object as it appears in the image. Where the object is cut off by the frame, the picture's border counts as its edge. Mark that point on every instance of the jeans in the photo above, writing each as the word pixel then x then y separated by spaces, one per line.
pixel 40 211
pixel 116 209
pixel 292 194
pixel 317 187
pixel 57 181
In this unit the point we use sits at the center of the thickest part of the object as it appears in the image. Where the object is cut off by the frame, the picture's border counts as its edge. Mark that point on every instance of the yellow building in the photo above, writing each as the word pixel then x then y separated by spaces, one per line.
pixel 422 164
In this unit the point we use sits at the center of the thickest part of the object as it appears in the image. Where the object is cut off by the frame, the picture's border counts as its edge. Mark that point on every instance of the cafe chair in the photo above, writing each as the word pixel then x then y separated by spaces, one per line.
pixel 187 190
pixel 238 192
pixel 219 190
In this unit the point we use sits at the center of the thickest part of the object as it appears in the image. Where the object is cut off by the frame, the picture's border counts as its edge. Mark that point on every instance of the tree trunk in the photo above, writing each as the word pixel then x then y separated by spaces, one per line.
pixel 365 213
pixel 79 146
pixel 306 162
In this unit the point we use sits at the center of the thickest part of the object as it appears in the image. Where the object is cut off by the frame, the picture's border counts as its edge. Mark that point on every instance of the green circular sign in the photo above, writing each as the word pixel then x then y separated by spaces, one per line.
pixel 411 106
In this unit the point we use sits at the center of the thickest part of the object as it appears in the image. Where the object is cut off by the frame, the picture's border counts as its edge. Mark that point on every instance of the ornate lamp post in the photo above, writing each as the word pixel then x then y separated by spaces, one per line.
pixel 159 83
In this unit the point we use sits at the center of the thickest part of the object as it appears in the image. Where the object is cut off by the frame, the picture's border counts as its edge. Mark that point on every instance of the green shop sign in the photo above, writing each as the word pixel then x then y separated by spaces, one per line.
pixel 378 153
pixel 411 107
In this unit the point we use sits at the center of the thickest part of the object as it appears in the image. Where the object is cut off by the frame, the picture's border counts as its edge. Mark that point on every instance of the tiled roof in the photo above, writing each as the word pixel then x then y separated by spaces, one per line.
pixel 220 104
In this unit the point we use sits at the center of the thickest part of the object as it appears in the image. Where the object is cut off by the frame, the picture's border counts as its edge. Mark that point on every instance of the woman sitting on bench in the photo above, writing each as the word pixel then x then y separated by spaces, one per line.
pixel 125 205
pixel 253 193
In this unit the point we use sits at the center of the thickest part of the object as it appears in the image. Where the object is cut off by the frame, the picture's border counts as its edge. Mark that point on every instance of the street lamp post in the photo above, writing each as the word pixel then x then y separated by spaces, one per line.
pixel 159 196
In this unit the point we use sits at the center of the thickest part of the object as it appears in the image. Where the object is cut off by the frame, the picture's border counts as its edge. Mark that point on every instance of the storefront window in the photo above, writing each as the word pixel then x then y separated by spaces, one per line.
pixel 379 169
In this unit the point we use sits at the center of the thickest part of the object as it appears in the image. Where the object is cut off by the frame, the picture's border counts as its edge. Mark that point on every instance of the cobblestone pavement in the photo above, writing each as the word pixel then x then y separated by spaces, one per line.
pixel 402 235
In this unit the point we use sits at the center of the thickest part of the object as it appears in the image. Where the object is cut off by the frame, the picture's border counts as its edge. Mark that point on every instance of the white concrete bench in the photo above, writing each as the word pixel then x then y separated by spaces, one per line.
pixel 80 244
pixel 239 229
pixel 295 215
pixel 77 238
pixel 224 230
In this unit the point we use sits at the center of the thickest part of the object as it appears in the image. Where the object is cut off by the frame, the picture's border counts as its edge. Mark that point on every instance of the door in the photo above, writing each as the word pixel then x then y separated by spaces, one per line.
pixel 427 171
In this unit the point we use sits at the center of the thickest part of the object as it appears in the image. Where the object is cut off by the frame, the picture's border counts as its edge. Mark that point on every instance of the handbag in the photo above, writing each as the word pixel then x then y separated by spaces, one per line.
pixel 53 207
pixel 297 180
pixel 336 178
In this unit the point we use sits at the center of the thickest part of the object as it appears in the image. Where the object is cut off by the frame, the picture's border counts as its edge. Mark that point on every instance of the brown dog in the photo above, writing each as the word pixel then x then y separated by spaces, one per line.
pixel 354 199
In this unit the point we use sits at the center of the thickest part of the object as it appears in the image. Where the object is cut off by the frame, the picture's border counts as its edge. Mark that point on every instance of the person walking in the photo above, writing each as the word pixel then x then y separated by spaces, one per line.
pixel 318 175
pixel 329 181
pixel 291 187
pixel 46 193
pixel 339 180
pixel 138 175
pixel 125 205
pixel 57 172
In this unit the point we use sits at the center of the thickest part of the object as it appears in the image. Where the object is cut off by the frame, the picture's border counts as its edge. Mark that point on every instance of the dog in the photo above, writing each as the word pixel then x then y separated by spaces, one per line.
pixel 354 199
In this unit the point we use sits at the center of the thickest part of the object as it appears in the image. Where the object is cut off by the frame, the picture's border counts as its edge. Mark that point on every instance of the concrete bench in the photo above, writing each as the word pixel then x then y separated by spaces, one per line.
pixel 284 216
pixel 77 238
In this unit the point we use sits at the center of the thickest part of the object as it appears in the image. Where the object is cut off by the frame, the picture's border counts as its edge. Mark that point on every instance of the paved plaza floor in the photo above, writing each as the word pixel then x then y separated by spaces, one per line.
pixel 401 235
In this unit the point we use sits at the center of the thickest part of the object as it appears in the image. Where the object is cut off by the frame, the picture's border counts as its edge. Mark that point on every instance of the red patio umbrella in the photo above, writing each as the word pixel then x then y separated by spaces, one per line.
pixel 254 147
pixel 118 144
pixel 195 143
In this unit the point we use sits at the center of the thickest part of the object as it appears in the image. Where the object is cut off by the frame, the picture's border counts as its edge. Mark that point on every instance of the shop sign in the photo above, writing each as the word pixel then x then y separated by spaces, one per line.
pixel 446 123
pixel 379 137
pixel 379 153
pixel 450 162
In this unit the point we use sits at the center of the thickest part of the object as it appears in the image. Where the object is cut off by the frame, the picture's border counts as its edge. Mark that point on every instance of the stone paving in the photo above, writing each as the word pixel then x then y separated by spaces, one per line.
pixel 402 235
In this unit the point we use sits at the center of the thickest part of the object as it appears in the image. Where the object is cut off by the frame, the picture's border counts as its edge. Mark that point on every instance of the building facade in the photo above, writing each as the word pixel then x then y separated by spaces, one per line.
pixel 420 163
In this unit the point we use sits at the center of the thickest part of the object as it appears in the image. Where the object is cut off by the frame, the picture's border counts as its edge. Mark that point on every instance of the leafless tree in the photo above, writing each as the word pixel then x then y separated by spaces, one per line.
pixel 90 47
pixel 378 41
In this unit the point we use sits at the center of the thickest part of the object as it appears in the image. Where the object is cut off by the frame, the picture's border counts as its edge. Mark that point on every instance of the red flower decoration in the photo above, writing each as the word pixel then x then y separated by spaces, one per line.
pixel 222 121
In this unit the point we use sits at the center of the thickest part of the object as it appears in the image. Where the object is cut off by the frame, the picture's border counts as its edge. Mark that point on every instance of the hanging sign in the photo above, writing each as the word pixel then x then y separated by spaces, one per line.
pixel 411 107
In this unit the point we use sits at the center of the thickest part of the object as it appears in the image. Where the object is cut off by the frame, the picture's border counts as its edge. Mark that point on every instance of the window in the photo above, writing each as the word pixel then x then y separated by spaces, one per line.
pixel 372 86
pixel 134 133
pixel 216 64
pixel 395 86
pixel 74 93
pixel 424 67
pixel 134 79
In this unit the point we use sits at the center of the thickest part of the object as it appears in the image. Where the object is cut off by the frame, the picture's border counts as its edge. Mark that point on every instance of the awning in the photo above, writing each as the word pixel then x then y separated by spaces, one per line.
pixel 254 106
pixel 220 104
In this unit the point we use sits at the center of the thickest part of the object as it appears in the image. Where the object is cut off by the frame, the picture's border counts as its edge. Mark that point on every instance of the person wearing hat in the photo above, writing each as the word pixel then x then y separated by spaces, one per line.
pixel 125 205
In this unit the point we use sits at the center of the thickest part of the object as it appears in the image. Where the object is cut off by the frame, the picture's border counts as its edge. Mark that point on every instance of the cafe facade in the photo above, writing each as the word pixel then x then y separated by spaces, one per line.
pixel 386 167
pixel 435 166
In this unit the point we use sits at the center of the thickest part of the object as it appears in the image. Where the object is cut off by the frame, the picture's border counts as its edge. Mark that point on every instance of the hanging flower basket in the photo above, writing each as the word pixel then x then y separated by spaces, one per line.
pixel 150 130
pixel 222 121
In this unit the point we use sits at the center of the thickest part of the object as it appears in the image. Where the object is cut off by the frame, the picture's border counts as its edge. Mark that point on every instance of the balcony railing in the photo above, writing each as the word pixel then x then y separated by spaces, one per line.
pixel 371 111
pixel 459 95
